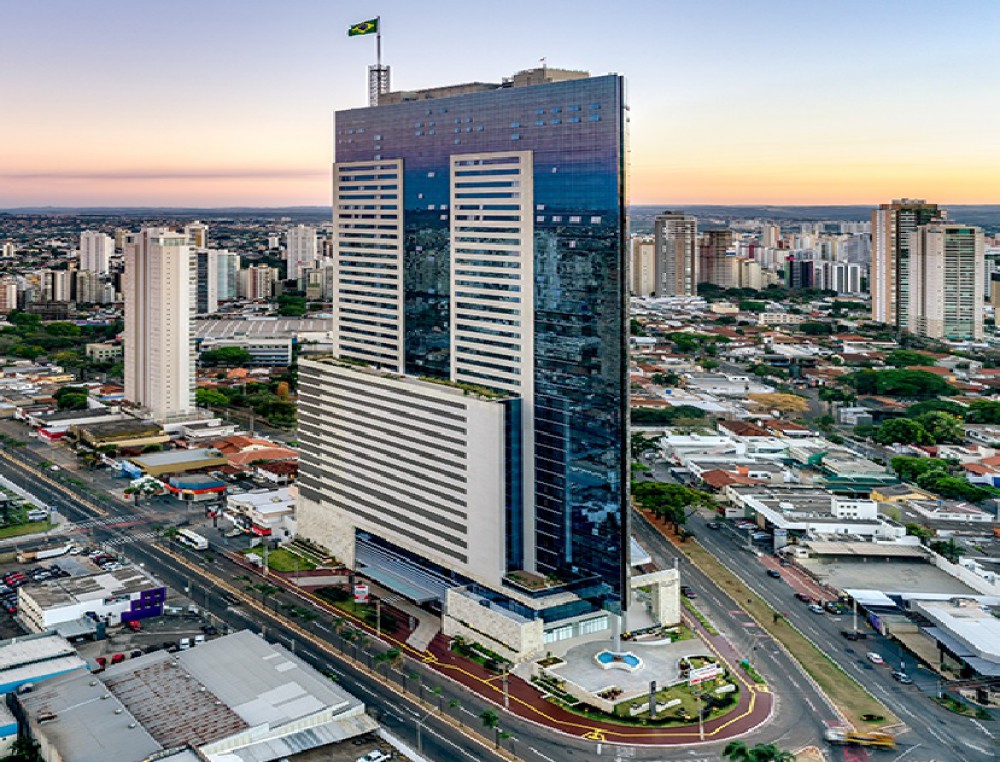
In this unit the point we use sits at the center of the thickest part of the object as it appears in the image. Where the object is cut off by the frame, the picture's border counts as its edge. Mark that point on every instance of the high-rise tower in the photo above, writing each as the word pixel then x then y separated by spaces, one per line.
pixel 96 250
pixel 946 281
pixel 676 236
pixel 891 227
pixel 476 419
pixel 159 288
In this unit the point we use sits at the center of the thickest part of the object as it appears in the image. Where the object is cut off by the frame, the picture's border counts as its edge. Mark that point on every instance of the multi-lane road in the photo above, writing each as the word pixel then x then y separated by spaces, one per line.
pixel 933 732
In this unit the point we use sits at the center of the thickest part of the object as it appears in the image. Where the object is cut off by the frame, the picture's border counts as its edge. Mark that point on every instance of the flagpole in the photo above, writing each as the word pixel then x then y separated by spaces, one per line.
pixel 378 43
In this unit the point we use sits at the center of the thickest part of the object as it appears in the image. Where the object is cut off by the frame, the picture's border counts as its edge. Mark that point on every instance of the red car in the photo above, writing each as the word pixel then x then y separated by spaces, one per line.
pixel 102 664
pixel 117 658
pixel 133 625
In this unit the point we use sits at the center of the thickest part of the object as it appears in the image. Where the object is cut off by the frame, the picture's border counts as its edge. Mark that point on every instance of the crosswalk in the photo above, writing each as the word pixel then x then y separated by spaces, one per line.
pixel 130 538
pixel 106 521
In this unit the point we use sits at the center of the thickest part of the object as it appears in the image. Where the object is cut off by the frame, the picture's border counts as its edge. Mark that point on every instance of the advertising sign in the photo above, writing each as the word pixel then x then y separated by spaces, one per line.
pixel 361 593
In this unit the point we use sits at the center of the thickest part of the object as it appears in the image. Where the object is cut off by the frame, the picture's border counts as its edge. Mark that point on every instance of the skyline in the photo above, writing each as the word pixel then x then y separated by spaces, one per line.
pixel 232 105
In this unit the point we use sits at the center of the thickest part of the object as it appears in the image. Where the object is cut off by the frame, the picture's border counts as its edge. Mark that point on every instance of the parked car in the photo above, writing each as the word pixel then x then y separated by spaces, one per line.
pixel 117 658
pixel 804 598
pixel 902 677
pixel 134 625
pixel 374 756
pixel 815 608
pixel 774 573
pixel 833 607
pixel 874 658
pixel 687 592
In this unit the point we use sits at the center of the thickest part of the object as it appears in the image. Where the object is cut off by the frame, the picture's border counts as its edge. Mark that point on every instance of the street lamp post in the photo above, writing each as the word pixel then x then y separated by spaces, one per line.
pixel 420 722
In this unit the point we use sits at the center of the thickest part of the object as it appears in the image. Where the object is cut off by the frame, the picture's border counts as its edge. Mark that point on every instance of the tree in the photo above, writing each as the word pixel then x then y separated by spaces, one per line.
pixel 72 401
pixel 836 394
pixel 282 390
pixel 909 384
pixel 491 720
pixel 664 416
pixel 635 328
pixel 210 398
pixel 927 406
pixel 666 379
pixel 943 427
pixel 902 431
pixel 949 549
pixel 228 356
pixel 670 502
pixel 919 530
pixel 812 328
pixel 903 358
pixel 983 411
pixel 457 704
pixel 641 445
pixel 908 469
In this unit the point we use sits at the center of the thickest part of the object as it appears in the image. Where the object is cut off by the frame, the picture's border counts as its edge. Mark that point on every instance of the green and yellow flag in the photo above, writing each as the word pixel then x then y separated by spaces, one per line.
pixel 363 27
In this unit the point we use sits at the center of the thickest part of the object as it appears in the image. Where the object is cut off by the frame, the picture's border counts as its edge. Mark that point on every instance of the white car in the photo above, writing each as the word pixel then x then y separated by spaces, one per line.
pixel 375 756
pixel 874 658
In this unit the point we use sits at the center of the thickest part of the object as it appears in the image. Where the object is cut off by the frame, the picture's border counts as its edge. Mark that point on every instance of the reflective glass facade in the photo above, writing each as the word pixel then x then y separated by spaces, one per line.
pixel 575 132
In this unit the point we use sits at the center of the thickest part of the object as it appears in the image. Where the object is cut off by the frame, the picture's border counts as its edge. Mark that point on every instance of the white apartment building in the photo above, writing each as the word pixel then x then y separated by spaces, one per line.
pixel 160 298
pixel 228 273
pixel 197 234
pixel 96 250
pixel 8 295
pixel 946 281
pixel 302 249
pixel 643 275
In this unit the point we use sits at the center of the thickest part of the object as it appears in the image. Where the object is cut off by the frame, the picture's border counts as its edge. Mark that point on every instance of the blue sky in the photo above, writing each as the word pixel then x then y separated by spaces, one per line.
pixel 230 101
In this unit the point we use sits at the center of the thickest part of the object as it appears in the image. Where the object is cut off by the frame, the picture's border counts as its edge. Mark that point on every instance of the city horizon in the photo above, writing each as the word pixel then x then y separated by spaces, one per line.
pixel 800 120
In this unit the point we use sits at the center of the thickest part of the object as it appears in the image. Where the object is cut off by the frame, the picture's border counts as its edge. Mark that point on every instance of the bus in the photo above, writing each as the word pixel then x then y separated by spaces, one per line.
pixel 192 539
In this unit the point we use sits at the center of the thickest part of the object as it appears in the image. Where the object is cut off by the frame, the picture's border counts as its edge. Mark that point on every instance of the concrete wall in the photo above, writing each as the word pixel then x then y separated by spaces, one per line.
pixel 515 640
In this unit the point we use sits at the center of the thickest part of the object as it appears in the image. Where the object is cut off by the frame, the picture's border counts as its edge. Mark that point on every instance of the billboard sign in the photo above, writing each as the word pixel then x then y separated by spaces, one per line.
pixel 703 674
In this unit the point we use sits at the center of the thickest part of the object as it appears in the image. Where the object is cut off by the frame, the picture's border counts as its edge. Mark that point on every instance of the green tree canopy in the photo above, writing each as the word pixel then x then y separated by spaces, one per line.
pixel 983 411
pixel 943 427
pixel 664 416
pixel 902 431
pixel 228 356
pixel 909 384
pixel 210 398
pixel 71 330
pixel 908 469
pixel 947 406
pixel 903 358
pixel 72 401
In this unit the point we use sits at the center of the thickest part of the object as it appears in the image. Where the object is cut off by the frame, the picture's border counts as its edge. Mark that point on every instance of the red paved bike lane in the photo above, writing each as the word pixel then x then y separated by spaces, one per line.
pixel 524 700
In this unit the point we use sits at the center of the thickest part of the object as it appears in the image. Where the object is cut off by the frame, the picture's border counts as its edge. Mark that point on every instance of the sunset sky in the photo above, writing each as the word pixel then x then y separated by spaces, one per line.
pixel 230 102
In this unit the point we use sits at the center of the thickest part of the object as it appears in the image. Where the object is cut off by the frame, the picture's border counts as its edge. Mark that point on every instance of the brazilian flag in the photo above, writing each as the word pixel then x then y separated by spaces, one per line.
pixel 363 27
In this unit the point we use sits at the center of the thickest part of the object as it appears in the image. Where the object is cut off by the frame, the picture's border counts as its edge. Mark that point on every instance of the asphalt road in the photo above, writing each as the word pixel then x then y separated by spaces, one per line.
pixel 934 734
pixel 399 712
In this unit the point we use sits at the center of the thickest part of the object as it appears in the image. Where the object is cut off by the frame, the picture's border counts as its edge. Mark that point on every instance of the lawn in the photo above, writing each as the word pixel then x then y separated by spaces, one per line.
pixel 282 560
pixel 843 690
pixel 32 527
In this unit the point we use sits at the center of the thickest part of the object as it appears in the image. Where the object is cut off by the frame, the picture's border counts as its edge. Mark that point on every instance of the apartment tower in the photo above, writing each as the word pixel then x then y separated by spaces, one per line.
pixel 96 250
pixel 160 298
pixel 891 227
pixel 946 281
pixel 676 237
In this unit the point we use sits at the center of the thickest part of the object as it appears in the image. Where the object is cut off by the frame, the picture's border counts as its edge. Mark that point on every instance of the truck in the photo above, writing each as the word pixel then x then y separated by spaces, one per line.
pixel 27 556
pixel 874 739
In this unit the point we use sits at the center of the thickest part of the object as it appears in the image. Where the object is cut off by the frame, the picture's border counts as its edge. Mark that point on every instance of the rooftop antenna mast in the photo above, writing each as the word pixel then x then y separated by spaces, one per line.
pixel 378 75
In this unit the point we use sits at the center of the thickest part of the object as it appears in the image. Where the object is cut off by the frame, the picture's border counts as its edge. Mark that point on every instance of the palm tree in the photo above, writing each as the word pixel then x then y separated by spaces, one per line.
pixel 457 704
pixel 436 690
pixel 491 720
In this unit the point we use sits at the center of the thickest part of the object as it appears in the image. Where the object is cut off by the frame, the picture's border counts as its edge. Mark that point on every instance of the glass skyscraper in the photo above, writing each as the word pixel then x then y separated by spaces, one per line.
pixel 479 236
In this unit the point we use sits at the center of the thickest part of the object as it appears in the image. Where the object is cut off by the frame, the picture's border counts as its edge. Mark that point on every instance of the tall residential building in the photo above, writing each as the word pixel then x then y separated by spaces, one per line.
pixel 8 294
pixel 770 236
pixel 197 234
pixel 159 290
pixel 475 425
pixel 946 281
pixel 891 227
pixel 88 287
pixel 716 259
pixel 207 274
pixel 228 271
pixel 96 250
pixel 54 285
pixel 257 282
pixel 643 265
pixel 8 250
pixel 676 236
pixel 301 249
